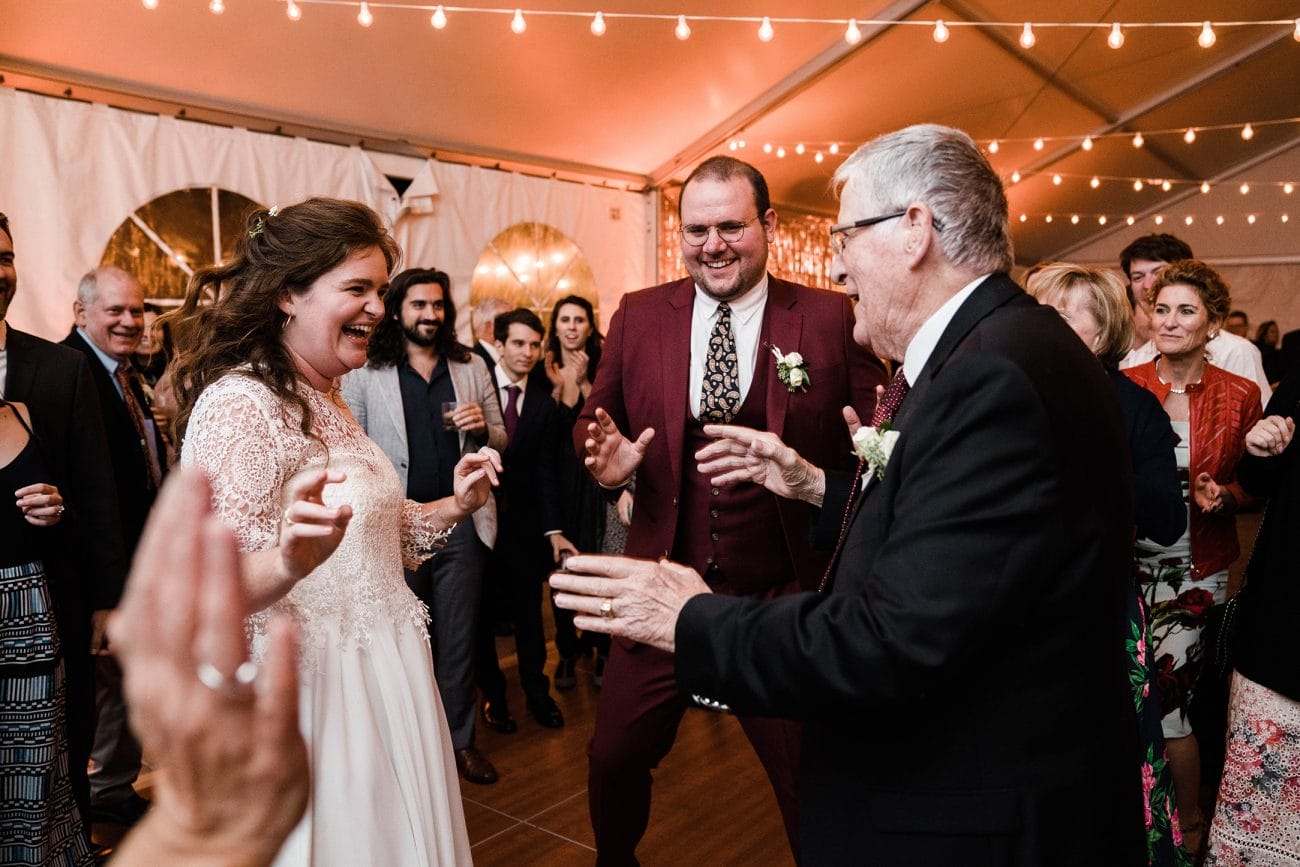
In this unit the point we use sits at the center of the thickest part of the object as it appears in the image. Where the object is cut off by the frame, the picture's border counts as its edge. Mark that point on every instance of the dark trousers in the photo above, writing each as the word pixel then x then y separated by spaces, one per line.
pixel 636 723
pixel 116 755
pixel 517 570
pixel 449 583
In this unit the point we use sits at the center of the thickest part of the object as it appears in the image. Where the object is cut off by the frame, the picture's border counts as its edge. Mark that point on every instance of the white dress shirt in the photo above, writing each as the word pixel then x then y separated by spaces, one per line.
pixel 1228 351
pixel 746 325
pixel 927 336
pixel 504 380
pixel 4 356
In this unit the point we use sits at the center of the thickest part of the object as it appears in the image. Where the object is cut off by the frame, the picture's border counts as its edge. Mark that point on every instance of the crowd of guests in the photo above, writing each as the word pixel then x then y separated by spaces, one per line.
pixel 344 432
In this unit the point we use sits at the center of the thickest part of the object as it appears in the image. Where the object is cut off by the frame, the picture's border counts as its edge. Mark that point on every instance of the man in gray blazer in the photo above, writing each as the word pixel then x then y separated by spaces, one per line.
pixel 427 400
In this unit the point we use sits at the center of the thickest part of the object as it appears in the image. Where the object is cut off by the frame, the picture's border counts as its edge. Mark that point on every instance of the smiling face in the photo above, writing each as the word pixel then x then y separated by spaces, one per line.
pixel 522 349
pixel 333 319
pixel 1180 323
pixel 423 312
pixel 114 317
pixel 725 270
pixel 572 326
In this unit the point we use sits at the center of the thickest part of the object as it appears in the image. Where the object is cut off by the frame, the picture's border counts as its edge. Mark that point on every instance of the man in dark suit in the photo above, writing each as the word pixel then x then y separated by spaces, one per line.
pixel 87 566
pixel 678 356
pixel 962 679
pixel 109 314
pixel 529 541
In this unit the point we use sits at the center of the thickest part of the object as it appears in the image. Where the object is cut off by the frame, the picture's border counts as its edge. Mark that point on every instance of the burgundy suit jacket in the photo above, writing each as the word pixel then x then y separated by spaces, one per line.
pixel 643 380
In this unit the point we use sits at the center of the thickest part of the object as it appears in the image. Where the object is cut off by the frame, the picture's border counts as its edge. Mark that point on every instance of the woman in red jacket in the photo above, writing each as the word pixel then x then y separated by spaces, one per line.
pixel 1211 411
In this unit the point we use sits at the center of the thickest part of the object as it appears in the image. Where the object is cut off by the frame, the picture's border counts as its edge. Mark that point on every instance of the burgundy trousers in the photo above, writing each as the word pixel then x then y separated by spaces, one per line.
pixel 636 723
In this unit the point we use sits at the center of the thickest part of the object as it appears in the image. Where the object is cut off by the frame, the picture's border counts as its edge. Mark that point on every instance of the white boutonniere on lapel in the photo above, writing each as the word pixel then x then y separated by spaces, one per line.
pixel 792 370
pixel 874 445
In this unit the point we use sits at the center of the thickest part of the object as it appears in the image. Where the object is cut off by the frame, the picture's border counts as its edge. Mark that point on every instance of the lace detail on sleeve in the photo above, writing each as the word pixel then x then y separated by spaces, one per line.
pixel 419 537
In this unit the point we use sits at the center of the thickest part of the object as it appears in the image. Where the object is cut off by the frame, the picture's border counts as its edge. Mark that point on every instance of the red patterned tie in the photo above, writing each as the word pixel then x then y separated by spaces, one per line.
pixel 884 411
pixel 125 377
pixel 510 415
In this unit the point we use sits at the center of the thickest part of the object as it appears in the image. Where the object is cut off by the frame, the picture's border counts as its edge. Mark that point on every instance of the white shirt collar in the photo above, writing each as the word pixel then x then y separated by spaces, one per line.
pixel 110 363
pixel 927 336
pixel 504 378
pixel 743 308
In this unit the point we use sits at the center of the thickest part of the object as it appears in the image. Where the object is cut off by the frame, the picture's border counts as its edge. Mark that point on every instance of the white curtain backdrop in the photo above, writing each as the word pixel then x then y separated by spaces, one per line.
pixel 72 172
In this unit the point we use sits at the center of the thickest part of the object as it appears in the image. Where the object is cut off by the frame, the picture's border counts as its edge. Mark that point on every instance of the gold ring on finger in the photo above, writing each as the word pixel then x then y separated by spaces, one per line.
pixel 607 609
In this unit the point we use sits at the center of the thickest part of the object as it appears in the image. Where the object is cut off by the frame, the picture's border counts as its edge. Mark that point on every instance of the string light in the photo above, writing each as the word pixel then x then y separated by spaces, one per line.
pixel 1219 219
pixel 1116 38
pixel 153 4
pixel 1095 182
pixel 518 24
pixel 1138 141
pixel 1159 219
pixel 1074 220
pixel 852 35
pixel 799 148
pixel 1137 185
pixel 1190 135
pixel 767 148
pixel 1047 219
pixel 1101 221
pixel 1027 38
pixel 1015 176
pixel 1245 189
pixel 1188 219
pixel 741 143
pixel 1038 144
pixel 439 19
pixel 683 30
pixel 1207 37
pixel 940 31
pixel 598 25
pixel 765 31
pixel 1205 186
pixel 1288 188
pixel 1130 220
pixel 780 153
pixel 1247 132
pixel 364 18
pixel 1024 217
pixel 1166 186
pixel 1285 218
pixel 217 7
pixel 1250 218
pixel 1297 30
pixel 1056 179
pixel 834 148
pixel 993 146
pixel 1086 144
pixel 732 144
pixel 817 157
pixel 293 11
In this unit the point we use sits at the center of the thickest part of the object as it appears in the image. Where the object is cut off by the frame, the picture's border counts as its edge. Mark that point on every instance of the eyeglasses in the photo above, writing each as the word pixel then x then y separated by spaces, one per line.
pixel 840 234
pixel 730 232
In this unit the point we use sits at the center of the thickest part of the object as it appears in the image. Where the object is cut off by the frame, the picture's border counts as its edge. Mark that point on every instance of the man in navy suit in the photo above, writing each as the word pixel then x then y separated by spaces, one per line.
pixel 961 675
pixel 529 541
pixel 109 314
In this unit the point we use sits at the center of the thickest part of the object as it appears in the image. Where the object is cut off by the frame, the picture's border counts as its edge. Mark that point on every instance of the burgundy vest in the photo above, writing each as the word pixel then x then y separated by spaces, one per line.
pixel 732 536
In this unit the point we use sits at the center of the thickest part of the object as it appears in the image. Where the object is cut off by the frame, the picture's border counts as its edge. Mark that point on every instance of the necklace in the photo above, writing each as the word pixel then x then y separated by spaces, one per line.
pixel 1173 388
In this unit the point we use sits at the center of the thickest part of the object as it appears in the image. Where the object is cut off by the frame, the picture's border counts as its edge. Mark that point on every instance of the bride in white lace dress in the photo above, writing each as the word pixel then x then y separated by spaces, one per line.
pixel 294 475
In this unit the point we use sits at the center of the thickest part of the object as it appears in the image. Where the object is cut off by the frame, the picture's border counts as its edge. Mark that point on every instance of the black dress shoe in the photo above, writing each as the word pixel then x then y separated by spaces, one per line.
pixel 475 767
pixel 127 811
pixel 566 674
pixel 546 712
pixel 496 716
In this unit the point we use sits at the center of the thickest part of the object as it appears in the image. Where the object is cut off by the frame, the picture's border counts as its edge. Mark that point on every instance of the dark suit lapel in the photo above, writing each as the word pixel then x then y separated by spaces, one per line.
pixel 22 374
pixel 675 343
pixel 784 328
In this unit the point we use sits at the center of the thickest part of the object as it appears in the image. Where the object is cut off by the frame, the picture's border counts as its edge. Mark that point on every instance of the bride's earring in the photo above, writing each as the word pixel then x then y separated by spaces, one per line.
pixel 287 319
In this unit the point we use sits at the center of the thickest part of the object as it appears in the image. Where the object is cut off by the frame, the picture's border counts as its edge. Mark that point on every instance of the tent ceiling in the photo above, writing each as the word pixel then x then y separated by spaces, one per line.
pixel 638 106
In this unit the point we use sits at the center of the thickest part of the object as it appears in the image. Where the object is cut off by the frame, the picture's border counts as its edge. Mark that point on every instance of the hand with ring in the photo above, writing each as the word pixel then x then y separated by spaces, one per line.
pixel 237 780
pixel 41 504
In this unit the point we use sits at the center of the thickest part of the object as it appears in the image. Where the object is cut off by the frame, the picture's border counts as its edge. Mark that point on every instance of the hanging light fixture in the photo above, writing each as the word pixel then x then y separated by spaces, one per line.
pixel 852 35
pixel 1116 38
pixel 1087 143
pixel 598 25
pixel 1027 37
pixel 940 31
pixel 518 24
pixel 765 31
pixel 364 18
pixel 1207 37
pixel 1190 135
pixel 683 30
pixel 439 18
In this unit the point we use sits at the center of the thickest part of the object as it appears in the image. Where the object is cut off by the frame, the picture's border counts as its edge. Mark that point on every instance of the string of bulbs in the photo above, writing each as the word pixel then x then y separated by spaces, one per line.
pixel 1157 219
pixel 941 29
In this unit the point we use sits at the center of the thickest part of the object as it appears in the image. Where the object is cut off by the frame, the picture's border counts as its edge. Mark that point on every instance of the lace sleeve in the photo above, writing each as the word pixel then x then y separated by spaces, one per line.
pixel 231 437
pixel 419 538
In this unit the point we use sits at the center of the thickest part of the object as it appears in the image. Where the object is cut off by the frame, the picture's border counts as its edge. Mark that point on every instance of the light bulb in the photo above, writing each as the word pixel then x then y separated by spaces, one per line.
pixel 1190 135
pixel 518 24
pixel 1047 219
pixel 740 144
pixel 765 32
pixel 1130 220
pixel 1038 144
pixel 852 35
pixel 1285 218
pixel 1087 143
pixel 1245 188
pixel 1219 219
pixel 1250 218
pixel 1056 179
pixel 1288 188
pixel 817 157
pixel 1024 217
pixel 293 11
pixel 732 144
pixel 767 148
pixel 994 147
pixel 217 7
pixel 1159 219
pixel 1116 37
pixel 1297 30
pixel 1138 141
pixel 834 148
pixel 1247 132
pixel 1207 37
pixel 149 4
pixel 1027 37
pixel 683 30
pixel 364 18
pixel 1205 186
pixel 1188 220
pixel 598 25
pixel 439 19
pixel 940 31
pixel 1166 186
pixel 1137 185
pixel 1015 176
pixel 1075 220
pixel 1101 221
pixel 1095 182
pixel 780 153
pixel 799 148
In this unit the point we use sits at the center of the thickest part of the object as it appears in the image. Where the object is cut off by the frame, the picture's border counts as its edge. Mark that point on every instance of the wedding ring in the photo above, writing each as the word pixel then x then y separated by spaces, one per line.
pixel 288 520
pixel 60 509
pixel 607 609
pixel 237 685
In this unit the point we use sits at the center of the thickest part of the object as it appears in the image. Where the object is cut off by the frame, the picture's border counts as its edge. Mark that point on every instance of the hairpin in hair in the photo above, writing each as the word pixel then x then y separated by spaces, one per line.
pixel 260 225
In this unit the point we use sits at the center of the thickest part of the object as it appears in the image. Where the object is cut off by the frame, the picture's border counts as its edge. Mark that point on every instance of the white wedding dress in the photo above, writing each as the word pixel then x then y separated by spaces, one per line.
pixel 384 786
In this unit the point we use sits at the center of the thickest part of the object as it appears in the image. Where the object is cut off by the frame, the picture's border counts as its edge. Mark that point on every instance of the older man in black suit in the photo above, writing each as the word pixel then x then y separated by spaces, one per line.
pixel 961 676
pixel 88 565
pixel 109 313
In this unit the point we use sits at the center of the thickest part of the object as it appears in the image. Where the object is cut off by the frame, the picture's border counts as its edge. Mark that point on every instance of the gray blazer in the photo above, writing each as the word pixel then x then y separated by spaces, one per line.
pixel 375 398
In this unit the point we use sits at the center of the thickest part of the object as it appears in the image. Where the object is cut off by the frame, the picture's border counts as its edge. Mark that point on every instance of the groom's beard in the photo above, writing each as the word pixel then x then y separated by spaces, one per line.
pixel 421 335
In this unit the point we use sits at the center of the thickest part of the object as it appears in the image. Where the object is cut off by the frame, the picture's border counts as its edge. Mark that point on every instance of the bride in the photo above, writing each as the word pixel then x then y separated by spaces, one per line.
pixel 319 512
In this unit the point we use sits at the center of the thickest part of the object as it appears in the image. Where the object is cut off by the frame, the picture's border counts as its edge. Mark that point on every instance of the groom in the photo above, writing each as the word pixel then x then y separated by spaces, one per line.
pixel 961 678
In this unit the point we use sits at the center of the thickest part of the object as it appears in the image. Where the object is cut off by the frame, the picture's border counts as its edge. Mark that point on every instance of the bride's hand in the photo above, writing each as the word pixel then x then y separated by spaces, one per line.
pixel 310 530
pixel 474 478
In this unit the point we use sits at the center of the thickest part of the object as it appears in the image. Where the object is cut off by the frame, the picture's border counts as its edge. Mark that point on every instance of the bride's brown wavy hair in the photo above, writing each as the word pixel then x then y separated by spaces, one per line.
pixel 231 316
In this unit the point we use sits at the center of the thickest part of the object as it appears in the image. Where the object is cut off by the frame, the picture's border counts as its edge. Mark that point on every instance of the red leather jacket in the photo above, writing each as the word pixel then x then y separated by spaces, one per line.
pixel 1222 408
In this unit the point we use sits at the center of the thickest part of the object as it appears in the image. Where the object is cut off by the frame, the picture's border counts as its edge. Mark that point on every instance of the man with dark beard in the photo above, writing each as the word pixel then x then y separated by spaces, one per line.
pixel 426 400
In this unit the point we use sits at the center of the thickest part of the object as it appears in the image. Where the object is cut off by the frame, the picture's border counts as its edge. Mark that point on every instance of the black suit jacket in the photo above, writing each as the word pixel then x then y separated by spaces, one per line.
pixel 125 449
pixel 528 499
pixel 963 682
pixel 89 565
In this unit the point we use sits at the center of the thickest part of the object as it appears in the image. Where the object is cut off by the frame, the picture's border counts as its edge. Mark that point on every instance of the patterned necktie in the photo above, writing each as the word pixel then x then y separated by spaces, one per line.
pixel 884 411
pixel 126 377
pixel 510 415
pixel 720 394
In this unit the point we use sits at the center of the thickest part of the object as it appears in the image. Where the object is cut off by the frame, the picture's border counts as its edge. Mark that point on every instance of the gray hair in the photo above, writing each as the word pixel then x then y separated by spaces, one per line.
pixel 943 168
pixel 88 288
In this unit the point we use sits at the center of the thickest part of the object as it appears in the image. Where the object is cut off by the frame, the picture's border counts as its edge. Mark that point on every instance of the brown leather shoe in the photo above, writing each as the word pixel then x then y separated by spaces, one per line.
pixel 475 767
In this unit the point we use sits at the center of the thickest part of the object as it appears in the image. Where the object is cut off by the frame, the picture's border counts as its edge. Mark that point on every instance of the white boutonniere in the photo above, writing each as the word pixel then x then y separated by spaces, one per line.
pixel 874 445
pixel 792 370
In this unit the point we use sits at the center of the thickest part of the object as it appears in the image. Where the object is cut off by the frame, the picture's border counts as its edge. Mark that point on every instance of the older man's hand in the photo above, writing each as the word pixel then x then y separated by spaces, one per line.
pixel 1270 436
pixel 637 599
pixel 742 454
